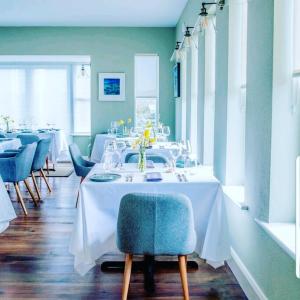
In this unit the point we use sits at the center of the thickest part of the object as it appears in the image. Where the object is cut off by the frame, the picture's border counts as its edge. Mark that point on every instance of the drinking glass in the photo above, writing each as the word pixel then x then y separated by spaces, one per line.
pixel 175 153
pixel 166 132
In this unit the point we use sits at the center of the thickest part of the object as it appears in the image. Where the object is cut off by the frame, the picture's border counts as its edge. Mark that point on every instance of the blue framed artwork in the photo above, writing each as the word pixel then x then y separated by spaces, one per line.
pixel 111 86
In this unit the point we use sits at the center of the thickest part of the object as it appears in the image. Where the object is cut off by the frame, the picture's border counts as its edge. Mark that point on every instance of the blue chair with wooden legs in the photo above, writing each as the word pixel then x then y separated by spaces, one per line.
pixel 156 224
pixel 38 163
pixel 16 167
pixel 81 166
pixel 156 158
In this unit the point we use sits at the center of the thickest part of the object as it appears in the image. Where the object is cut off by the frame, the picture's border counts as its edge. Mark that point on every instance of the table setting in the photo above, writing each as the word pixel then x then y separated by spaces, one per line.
pixel 102 190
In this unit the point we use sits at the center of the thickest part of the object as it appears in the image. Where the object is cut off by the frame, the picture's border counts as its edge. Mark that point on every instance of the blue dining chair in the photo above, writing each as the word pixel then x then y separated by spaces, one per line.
pixel 156 224
pixel 156 158
pixel 16 167
pixel 2 136
pixel 39 160
pixel 28 138
pixel 81 166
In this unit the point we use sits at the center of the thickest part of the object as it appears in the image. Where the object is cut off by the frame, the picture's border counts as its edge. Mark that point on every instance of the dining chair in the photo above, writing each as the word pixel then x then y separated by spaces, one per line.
pixel 40 157
pixel 28 138
pixel 81 166
pixel 156 158
pixel 156 224
pixel 16 167
pixel 2 136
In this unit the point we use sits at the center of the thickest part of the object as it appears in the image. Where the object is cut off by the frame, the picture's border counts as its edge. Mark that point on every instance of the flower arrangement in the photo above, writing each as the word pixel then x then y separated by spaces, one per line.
pixel 7 120
pixel 124 126
pixel 143 142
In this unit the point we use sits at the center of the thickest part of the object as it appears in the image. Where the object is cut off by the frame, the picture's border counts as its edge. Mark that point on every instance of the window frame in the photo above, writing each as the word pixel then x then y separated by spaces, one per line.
pixel 157 116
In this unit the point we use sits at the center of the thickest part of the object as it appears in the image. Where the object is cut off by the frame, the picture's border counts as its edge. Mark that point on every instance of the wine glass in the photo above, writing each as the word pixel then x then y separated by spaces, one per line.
pixel 108 155
pixel 166 132
pixel 175 153
pixel 121 147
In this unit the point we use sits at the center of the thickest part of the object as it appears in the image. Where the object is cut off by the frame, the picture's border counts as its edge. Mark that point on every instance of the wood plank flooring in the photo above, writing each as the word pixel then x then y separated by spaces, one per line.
pixel 35 262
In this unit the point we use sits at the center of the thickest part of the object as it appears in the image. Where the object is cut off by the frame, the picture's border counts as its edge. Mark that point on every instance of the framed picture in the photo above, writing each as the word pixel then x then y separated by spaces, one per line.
pixel 176 80
pixel 111 86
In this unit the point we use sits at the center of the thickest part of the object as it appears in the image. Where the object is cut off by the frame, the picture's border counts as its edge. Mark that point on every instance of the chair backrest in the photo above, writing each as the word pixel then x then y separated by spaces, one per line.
pixel 28 138
pixel 156 224
pixel 2 136
pixel 156 158
pixel 76 158
pixel 24 160
pixel 41 153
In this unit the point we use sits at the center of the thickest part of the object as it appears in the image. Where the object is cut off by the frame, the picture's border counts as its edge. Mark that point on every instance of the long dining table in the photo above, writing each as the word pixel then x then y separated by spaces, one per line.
pixel 94 228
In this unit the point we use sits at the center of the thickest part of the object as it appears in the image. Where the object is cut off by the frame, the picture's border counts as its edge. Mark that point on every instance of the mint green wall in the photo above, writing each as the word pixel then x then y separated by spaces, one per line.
pixel 270 266
pixel 111 50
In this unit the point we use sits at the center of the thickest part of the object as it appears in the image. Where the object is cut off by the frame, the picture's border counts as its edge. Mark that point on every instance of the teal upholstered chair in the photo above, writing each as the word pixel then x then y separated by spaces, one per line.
pixel 156 158
pixel 81 166
pixel 156 224
pixel 28 138
pixel 15 167
pixel 2 136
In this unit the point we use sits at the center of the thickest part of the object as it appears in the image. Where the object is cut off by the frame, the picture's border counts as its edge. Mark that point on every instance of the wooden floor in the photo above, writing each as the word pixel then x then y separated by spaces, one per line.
pixel 35 262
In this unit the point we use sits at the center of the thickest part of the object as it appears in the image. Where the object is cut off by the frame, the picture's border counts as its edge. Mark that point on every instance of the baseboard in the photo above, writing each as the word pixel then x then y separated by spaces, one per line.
pixel 245 279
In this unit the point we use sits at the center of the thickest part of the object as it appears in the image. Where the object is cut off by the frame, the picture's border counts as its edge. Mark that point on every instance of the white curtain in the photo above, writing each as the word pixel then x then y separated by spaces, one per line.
pixel 36 96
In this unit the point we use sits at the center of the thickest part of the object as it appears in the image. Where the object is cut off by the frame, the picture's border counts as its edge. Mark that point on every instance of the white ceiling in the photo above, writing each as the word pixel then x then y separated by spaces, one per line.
pixel 142 13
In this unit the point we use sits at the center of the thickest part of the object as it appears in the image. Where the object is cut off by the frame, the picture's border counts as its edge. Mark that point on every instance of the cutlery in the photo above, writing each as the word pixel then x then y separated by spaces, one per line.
pixel 179 177
pixel 184 178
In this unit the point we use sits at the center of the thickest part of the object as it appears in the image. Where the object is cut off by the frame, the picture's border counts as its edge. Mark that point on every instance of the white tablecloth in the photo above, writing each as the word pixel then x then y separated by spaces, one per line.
pixel 58 147
pixel 95 224
pixel 162 148
pixel 7 212
pixel 14 143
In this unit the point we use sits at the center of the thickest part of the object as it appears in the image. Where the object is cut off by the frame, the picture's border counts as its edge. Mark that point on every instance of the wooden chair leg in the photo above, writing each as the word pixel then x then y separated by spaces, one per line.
pixel 47 165
pixel 183 275
pixel 45 179
pixel 16 185
pixel 81 179
pixel 127 273
pixel 30 192
pixel 36 186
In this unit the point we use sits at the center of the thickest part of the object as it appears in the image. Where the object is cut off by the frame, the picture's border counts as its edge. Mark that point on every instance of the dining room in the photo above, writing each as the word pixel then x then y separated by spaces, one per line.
pixel 150 149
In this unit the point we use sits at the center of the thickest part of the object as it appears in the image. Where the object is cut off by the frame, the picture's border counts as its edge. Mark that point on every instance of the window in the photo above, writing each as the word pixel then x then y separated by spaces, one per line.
pixel 236 104
pixel 296 37
pixel 209 93
pixel 81 99
pixel 146 89
pixel 40 96
pixel 194 95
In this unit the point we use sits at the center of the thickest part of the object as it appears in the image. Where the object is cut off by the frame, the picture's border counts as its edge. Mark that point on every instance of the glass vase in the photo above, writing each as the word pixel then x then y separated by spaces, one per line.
pixel 142 160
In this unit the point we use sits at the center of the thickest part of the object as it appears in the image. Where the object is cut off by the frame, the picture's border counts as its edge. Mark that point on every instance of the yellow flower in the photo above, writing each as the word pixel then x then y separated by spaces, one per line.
pixel 153 140
pixel 121 122
pixel 129 120
pixel 147 133
pixel 148 124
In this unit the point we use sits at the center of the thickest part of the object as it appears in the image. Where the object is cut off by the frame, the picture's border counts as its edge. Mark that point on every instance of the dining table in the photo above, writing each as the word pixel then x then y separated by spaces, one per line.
pixel 94 229
pixel 159 148
pixel 58 146
pixel 7 212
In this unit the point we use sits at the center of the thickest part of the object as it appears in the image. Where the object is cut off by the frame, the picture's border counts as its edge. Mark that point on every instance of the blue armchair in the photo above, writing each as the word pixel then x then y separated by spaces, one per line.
pixel 81 166
pixel 16 167
pixel 156 224
pixel 156 158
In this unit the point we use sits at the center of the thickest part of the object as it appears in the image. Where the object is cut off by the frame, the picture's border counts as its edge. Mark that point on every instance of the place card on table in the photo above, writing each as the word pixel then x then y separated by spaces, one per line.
pixel 153 177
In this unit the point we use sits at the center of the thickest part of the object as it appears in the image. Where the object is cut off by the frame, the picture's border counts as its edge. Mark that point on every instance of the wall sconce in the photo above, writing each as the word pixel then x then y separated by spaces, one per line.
pixel 187 37
pixel 177 53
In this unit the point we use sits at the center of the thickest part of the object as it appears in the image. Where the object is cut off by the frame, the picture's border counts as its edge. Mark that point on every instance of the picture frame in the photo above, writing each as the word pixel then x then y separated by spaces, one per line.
pixel 111 86
pixel 176 80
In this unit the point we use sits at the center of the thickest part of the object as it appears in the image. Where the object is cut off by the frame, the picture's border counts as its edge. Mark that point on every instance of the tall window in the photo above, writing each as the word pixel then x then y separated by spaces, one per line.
pixel 209 93
pixel 194 94
pixel 146 89
pixel 39 96
pixel 81 99
pixel 236 105
pixel 296 37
